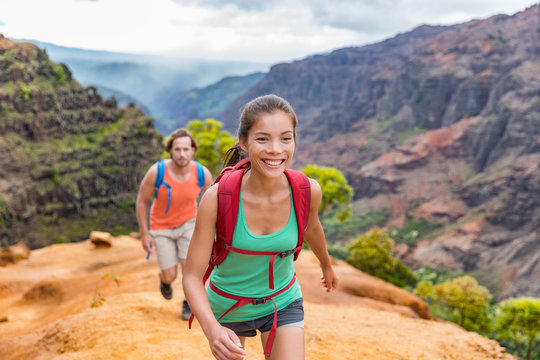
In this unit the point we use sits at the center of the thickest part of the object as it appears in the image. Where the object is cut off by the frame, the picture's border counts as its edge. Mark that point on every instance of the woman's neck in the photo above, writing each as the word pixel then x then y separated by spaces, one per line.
pixel 258 184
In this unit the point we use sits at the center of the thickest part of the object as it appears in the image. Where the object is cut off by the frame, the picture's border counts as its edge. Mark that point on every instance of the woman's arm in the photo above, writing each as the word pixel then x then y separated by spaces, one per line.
pixel 224 343
pixel 316 240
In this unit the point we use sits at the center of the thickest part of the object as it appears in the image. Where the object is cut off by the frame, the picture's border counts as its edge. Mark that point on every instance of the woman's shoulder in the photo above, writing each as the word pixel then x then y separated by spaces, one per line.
pixel 316 192
pixel 315 186
pixel 208 205
pixel 211 192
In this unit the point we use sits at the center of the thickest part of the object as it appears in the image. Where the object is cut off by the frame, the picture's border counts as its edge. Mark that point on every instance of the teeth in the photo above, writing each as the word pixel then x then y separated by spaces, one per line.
pixel 275 163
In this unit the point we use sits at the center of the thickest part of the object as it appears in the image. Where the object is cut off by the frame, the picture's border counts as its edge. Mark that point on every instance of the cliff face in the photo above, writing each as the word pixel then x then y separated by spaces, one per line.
pixel 440 123
pixel 70 160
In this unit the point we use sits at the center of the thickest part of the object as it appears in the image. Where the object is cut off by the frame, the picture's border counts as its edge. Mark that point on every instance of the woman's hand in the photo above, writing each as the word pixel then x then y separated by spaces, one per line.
pixel 225 345
pixel 329 279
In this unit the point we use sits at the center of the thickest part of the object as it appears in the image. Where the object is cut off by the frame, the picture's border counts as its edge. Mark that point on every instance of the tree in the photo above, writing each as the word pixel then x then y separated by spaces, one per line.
pixel 213 143
pixel 518 320
pixel 466 300
pixel 425 290
pixel 372 253
pixel 335 189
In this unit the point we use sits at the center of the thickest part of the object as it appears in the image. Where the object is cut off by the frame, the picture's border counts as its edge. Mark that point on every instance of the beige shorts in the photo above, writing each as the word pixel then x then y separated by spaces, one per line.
pixel 172 244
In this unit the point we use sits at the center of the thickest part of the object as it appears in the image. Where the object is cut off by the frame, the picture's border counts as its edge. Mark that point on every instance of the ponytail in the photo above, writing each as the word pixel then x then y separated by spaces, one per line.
pixel 234 155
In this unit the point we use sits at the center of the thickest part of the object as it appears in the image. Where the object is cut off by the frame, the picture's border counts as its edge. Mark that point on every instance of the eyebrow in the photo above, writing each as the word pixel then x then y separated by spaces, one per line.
pixel 266 133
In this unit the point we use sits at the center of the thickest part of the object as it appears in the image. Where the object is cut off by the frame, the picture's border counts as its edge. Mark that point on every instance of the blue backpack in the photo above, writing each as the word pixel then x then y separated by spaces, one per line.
pixel 161 175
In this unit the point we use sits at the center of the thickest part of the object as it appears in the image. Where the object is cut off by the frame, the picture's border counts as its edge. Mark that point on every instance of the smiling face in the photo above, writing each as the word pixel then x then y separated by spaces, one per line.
pixel 270 143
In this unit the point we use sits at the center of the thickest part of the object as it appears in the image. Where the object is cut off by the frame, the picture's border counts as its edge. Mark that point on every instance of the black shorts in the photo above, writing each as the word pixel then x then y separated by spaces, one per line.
pixel 290 315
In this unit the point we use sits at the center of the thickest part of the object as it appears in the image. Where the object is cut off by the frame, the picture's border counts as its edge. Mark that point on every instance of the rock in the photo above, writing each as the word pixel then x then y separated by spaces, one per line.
pixel 384 292
pixel 14 254
pixel 101 239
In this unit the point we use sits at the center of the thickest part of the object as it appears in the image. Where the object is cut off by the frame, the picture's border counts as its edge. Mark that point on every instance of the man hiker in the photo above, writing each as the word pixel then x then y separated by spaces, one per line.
pixel 175 184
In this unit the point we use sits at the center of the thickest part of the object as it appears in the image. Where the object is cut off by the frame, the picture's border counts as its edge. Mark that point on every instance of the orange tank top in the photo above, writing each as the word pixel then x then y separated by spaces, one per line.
pixel 183 202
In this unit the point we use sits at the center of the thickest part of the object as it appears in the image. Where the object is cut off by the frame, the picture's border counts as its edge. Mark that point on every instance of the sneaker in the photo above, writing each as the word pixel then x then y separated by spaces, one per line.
pixel 186 311
pixel 166 290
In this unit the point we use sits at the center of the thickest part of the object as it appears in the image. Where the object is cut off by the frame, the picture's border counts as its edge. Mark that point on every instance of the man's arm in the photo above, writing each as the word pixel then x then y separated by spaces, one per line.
pixel 146 190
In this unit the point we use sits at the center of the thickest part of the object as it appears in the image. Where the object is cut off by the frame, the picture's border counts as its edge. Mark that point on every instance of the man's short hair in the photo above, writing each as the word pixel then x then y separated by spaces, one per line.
pixel 180 133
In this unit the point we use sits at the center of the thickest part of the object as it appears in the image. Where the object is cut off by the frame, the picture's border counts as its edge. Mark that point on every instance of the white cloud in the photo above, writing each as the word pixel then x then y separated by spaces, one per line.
pixel 277 30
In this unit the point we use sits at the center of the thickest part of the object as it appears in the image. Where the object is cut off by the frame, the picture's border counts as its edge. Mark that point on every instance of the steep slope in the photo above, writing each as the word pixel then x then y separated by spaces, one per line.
pixel 441 118
pixel 70 160
pixel 46 301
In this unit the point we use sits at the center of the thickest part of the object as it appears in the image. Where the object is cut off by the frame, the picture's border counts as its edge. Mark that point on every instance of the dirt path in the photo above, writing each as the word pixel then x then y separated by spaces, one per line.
pixel 47 302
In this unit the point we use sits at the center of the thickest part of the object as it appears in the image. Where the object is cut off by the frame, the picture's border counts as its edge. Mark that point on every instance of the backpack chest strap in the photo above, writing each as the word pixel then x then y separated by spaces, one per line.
pixel 241 301
pixel 281 254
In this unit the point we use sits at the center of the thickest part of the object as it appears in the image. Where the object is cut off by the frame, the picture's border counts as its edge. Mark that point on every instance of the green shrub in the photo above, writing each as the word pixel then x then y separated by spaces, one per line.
pixel 24 91
pixel 518 322
pixel 55 175
pixel 372 253
pixel 60 77
pixel 461 300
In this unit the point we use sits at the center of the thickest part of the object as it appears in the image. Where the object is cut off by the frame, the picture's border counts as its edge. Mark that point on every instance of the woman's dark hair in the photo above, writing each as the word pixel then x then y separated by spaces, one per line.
pixel 267 104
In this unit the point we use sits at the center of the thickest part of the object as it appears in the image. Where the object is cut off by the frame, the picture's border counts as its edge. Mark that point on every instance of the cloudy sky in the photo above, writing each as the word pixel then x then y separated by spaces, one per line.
pixel 268 30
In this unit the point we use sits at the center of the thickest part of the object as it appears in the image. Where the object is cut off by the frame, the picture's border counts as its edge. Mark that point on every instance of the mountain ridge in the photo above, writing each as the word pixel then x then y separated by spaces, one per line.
pixel 377 112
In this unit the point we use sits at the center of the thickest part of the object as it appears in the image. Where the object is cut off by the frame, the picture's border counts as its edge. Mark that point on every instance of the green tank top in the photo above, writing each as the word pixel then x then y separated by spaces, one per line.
pixel 247 275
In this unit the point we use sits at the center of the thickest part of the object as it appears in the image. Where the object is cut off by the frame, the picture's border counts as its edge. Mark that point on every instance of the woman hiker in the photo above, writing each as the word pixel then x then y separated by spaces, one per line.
pixel 255 286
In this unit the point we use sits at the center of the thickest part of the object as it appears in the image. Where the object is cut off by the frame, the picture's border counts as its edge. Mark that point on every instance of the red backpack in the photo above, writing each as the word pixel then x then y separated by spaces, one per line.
pixel 230 180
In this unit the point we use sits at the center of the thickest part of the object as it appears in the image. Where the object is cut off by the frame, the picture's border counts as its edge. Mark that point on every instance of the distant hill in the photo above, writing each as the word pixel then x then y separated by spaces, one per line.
pixel 438 127
pixel 69 158
pixel 206 102
pixel 145 77
pixel 122 99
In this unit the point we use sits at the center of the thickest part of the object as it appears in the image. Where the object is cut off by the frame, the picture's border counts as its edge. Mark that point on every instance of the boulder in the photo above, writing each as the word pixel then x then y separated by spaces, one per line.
pixel 101 239
pixel 14 254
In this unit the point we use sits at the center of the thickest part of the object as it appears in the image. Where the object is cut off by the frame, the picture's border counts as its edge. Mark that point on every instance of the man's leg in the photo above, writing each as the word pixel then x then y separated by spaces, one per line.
pixel 167 260
pixel 169 275
pixel 166 277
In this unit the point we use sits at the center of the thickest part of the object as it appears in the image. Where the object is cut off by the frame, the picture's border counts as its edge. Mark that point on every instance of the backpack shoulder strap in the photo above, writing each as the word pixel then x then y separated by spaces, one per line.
pixel 159 182
pixel 160 174
pixel 301 193
pixel 228 200
pixel 200 174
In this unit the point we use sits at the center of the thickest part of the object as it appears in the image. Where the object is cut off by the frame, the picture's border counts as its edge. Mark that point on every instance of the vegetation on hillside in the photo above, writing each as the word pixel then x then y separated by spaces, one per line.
pixel 515 322
pixel 213 143
pixel 372 253
pixel 336 191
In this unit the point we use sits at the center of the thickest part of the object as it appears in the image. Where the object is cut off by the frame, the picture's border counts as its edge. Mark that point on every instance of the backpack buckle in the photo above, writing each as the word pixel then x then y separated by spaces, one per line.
pixel 287 253
pixel 259 301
